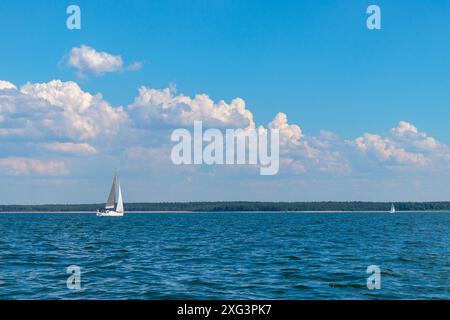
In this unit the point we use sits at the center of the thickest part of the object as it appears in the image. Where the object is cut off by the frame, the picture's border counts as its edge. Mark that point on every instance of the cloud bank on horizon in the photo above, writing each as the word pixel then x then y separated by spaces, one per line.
pixel 62 118
pixel 49 129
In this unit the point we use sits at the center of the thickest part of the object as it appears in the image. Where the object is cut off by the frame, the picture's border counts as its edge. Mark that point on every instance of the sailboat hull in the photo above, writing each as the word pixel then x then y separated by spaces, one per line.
pixel 109 213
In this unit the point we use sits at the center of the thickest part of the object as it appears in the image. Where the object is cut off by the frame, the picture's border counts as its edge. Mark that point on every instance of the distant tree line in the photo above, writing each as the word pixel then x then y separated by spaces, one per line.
pixel 239 206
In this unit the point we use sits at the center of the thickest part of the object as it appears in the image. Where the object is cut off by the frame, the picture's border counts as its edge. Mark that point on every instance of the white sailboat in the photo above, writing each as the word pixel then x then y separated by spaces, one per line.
pixel 392 208
pixel 111 203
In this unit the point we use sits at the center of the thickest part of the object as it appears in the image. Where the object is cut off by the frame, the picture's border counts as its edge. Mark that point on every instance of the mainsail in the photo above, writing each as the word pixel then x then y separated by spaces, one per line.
pixel 112 195
pixel 392 208
pixel 119 201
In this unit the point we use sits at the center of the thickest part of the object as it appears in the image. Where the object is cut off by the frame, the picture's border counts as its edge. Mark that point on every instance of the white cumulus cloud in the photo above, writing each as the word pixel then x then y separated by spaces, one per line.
pixel 87 60
pixel 385 149
pixel 405 145
pixel 409 134
pixel 155 107
pixel 6 85
pixel 27 166
pixel 289 133
pixel 58 109
pixel 70 147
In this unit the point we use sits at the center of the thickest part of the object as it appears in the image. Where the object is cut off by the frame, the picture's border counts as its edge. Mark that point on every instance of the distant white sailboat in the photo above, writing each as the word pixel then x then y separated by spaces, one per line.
pixel 111 203
pixel 392 208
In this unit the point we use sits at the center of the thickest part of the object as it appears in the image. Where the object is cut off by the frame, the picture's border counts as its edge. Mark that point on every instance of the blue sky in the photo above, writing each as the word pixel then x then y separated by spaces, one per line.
pixel 314 61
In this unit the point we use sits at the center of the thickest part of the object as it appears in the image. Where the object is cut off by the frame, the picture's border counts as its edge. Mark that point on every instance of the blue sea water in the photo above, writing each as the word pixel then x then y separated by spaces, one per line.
pixel 225 255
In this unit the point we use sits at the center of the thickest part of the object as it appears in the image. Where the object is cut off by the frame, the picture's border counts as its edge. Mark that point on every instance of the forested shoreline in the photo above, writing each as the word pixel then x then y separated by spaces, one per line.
pixel 239 206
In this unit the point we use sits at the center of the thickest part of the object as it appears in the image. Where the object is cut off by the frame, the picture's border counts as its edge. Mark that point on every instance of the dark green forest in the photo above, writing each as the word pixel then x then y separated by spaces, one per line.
pixel 239 206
